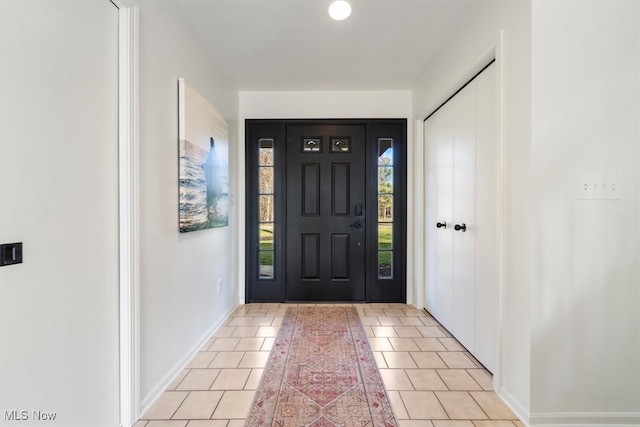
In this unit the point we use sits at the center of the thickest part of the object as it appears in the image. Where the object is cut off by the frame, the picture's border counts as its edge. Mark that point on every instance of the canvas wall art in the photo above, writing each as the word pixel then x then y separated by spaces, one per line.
pixel 204 162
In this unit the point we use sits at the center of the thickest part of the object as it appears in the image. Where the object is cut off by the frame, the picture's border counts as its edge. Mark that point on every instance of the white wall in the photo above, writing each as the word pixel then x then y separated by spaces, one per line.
pixel 475 41
pixel 179 304
pixel 322 105
pixel 586 106
pixel 326 105
pixel 59 195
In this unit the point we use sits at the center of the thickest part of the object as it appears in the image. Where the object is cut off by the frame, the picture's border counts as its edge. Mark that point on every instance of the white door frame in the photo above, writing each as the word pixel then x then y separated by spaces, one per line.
pixel 494 52
pixel 128 144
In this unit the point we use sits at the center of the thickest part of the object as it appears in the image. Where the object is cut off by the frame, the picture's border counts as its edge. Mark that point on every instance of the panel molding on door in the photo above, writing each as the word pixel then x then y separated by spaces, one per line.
pixel 311 189
pixel 340 180
pixel 340 256
pixel 309 257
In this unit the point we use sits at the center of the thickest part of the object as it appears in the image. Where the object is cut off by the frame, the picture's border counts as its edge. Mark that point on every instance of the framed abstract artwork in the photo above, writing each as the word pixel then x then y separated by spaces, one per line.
pixel 203 164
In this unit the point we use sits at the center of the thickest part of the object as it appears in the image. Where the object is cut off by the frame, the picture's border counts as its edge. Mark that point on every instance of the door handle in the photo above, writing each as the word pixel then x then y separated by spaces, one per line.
pixel 357 224
pixel 441 224
pixel 459 227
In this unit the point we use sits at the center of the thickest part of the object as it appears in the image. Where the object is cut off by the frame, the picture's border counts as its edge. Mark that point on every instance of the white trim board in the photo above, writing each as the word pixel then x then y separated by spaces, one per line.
pixel 128 214
pixel 583 419
pixel 516 407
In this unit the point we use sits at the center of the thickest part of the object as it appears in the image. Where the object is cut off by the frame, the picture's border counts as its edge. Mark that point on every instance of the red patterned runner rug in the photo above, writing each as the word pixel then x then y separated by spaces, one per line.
pixel 321 373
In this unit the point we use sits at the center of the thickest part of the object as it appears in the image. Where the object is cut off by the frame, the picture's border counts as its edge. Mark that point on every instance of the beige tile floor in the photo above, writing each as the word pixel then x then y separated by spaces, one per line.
pixel 431 379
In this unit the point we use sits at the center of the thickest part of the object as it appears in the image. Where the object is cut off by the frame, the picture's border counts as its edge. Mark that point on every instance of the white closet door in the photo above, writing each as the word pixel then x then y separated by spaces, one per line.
pixel 444 140
pixel 486 230
pixel 461 185
pixel 463 107
pixel 431 134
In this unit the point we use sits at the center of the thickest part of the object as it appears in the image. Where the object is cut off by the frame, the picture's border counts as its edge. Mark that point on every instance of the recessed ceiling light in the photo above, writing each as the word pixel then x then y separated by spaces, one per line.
pixel 339 10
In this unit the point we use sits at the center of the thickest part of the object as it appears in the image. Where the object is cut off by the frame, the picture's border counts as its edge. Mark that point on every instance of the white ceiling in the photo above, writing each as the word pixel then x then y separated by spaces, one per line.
pixel 295 45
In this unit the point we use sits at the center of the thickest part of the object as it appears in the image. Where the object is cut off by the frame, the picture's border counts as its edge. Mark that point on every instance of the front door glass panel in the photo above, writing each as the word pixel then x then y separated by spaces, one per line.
pixel 385 208
pixel 266 209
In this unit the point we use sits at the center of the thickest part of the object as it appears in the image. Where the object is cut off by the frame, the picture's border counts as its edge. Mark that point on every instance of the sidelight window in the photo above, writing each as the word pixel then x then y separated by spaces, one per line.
pixel 266 209
pixel 385 208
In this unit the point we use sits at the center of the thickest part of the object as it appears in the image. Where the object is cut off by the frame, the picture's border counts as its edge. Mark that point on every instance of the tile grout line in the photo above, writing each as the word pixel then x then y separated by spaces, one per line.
pixel 441 405
pixel 181 403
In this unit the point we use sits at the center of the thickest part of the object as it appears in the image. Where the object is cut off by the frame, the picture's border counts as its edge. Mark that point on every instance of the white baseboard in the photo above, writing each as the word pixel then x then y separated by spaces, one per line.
pixel 514 404
pixel 584 419
pixel 568 419
pixel 155 393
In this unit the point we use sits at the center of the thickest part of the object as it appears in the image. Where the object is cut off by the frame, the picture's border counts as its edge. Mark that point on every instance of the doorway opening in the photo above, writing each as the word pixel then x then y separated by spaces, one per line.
pixel 326 210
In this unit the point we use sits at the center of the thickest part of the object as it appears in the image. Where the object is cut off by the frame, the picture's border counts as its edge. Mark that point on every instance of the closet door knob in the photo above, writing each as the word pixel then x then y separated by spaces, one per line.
pixel 459 227
pixel 441 224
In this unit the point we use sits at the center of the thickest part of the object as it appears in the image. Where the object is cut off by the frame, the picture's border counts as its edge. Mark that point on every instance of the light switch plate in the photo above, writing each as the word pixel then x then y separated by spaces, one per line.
pixel 10 253
pixel 600 187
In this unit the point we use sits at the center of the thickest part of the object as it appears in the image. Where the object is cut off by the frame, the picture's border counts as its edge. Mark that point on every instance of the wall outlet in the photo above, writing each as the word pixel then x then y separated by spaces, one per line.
pixel 219 286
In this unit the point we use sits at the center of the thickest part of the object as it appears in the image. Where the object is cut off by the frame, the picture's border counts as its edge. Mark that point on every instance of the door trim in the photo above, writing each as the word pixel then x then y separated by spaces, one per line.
pixel 374 289
pixel 128 145
pixel 494 52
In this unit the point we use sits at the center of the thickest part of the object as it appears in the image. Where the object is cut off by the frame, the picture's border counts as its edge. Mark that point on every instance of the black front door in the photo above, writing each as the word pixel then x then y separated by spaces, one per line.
pixel 325 213
pixel 326 210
